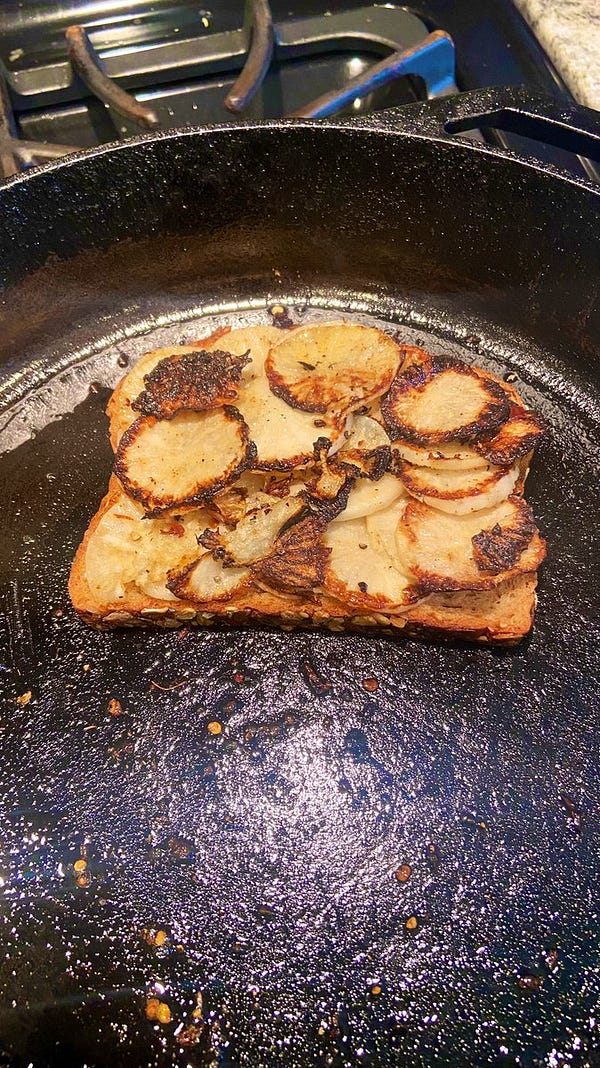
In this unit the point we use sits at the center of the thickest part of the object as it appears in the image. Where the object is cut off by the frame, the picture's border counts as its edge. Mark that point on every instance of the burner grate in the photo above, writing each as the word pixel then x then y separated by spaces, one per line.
pixel 191 80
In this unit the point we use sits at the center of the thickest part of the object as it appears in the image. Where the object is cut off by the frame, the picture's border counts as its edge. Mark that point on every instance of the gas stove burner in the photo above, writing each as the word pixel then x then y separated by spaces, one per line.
pixel 183 65
pixel 133 82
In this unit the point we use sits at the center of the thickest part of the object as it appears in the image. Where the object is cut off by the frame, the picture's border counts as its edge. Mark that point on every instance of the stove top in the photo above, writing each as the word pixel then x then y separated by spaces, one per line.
pixel 182 60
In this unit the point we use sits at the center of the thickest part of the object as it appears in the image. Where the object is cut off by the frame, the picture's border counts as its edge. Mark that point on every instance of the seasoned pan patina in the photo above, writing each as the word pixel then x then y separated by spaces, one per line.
pixel 253 848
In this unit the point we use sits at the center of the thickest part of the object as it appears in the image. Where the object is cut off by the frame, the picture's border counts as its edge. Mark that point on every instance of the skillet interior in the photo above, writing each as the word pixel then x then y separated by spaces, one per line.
pixel 268 852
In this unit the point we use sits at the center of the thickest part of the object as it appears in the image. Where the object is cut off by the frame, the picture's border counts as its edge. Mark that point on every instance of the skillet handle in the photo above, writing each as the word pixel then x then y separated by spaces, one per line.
pixel 518 111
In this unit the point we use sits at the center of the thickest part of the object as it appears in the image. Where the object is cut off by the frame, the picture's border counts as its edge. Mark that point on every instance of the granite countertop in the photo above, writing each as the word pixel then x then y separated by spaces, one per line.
pixel 569 32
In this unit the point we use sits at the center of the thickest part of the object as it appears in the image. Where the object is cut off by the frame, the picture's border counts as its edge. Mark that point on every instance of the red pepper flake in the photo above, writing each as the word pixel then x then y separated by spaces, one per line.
pixel 190 1035
pixel 403 873
pixel 239 678
pixel 370 685
pixel 433 857
pixel 177 530
pixel 179 847
pixel 574 816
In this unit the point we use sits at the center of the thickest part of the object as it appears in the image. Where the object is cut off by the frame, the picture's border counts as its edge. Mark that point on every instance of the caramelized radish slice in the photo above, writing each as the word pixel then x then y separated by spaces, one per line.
pixel 284 437
pixel 477 551
pixel 459 492
pixel 451 456
pixel 382 527
pixel 196 381
pixel 361 576
pixel 253 342
pixel 443 399
pixel 256 533
pixel 205 581
pixel 332 366
pixel 166 463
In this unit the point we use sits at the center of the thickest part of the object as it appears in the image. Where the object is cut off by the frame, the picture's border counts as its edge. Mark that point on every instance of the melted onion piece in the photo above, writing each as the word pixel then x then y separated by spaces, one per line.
pixel 255 534
pixel 165 463
pixel 361 576
pixel 459 492
pixel 332 366
pixel 366 450
pixel 443 399
pixel 367 497
pixel 441 553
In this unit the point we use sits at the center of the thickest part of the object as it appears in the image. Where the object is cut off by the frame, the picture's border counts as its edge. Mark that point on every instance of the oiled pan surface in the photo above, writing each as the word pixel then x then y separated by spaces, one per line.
pixel 386 853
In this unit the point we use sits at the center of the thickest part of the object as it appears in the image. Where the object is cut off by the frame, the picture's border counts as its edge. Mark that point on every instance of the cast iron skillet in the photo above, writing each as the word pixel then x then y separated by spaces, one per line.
pixel 389 853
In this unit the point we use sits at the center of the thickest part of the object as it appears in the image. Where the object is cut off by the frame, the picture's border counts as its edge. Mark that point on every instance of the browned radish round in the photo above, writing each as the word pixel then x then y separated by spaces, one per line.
pixel 476 551
pixel 447 456
pixel 205 581
pixel 164 463
pixel 443 399
pixel 459 492
pixel 358 574
pixel 332 366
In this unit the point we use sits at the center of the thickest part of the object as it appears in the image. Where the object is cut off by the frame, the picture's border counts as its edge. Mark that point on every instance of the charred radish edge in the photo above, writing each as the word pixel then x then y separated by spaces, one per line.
pixel 504 449
pixel 191 381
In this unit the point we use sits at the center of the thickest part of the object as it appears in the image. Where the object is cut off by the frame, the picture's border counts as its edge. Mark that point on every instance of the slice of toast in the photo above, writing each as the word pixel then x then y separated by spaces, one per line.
pixel 286 536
